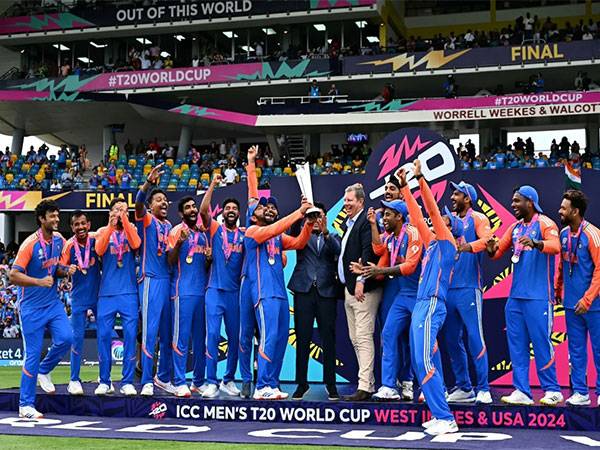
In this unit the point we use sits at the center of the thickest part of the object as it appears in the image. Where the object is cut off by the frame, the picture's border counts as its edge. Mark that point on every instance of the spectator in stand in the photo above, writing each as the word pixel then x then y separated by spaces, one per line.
pixel 231 175
pixel 575 147
pixel 140 148
pixel 450 87
pixel 65 69
pixel 11 330
pixel 529 147
pixel 538 84
pixel 195 61
pixel 55 186
pixel 314 90
pixel 333 90
pixel 470 148
pixel 564 147
pixel 125 180
pixel 168 62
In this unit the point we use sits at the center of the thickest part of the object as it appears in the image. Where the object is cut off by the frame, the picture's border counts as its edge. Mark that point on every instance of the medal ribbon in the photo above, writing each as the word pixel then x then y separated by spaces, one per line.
pixel 86 260
pixel 228 249
pixel 572 254
pixel 162 236
pixel 43 245
pixel 118 240
pixel 396 244
pixel 192 243
pixel 524 231
pixel 271 249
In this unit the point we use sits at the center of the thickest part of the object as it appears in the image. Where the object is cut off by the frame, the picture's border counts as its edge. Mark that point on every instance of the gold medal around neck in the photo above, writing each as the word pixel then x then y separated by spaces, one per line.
pixel 189 259
pixel 272 260
pixel 515 259
pixel 84 271
pixel 119 264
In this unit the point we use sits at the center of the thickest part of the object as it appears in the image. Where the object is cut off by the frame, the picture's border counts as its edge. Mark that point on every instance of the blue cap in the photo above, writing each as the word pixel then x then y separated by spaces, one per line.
pixel 264 201
pixel 397 205
pixel 251 209
pixel 530 193
pixel 466 189
pixel 456 225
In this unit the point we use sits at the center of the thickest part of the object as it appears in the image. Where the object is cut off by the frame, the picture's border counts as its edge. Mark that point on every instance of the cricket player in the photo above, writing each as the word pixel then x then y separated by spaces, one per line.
pixel 222 295
pixel 529 310
pixel 115 245
pixel 189 255
pixel 265 245
pixel 154 284
pixel 36 270
pixel 430 309
pixel 400 257
pixel 80 251
pixel 577 287
pixel 464 303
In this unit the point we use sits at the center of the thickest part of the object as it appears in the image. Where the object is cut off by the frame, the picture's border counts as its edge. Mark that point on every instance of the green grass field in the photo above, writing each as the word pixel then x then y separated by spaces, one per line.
pixel 10 377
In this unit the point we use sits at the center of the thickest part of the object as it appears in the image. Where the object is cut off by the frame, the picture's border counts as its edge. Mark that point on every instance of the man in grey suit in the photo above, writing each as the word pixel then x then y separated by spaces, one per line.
pixel 315 287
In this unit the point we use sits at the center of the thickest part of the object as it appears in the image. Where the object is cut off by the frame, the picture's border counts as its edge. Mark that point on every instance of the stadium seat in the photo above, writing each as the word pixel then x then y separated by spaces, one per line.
pixel 288 171
pixel 169 162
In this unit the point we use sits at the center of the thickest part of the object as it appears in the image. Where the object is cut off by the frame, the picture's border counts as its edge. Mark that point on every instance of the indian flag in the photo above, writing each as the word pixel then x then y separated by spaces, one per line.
pixel 573 176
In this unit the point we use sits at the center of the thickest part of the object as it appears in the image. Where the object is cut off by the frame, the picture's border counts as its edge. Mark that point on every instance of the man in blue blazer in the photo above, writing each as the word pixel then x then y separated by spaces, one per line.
pixel 316 289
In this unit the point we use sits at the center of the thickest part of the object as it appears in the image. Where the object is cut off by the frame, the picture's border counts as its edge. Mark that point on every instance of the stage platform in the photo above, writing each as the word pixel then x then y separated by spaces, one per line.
pixel 314 409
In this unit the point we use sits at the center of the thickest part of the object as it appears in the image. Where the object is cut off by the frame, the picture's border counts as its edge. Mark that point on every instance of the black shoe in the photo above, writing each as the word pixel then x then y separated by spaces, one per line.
pixel 332 393
pixel 358 396
pixel 246 390
pixel 300 391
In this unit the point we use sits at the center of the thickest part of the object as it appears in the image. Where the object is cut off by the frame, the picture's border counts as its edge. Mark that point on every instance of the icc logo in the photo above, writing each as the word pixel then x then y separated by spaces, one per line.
pixel 117 350
pixel 158 410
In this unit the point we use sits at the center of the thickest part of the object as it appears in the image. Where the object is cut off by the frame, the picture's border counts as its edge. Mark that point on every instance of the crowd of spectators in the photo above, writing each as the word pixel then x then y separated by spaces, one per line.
pixel 523 154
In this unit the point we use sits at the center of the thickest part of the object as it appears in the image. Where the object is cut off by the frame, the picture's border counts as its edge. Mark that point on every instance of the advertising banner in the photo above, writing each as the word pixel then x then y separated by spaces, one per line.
pixel 165 12
pixel 473 57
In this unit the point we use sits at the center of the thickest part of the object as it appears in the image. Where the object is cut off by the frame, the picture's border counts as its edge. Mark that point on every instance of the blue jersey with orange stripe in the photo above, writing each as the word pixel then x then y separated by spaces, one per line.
pixel 153 251
pixel 533 275
pixel 579 271
pixel 438 261
pixel 225 272
pixel 36 262
pixel 264 249
pixel 467 269
pixel 85 287
pixel 189 278
pixel 117 280
pixel 408 258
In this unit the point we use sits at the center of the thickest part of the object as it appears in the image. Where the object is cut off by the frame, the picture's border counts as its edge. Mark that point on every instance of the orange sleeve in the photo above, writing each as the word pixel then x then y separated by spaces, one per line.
pixel 298 242
pixel 263 234
pixel 65 257
pixel 483 231
pixel 558 278
pixel 24 256
pixel 252 181
pixel 146 218
pixel 550 236
pixel 413 253
pixel 505 242
pixel 284 259
pixel 173 237
pixel 416 216
pixel 102 240
pixel 131 233
pixel 442 232
pixel 214 226
pixel 594 248
pixel 379 249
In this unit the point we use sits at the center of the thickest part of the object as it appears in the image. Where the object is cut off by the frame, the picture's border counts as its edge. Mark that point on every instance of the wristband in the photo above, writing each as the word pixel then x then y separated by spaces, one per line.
pixel 140 197
pixel 418 177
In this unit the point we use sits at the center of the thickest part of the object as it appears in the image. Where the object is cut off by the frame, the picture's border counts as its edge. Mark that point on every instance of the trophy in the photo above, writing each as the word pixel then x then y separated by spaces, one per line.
pixel 303 177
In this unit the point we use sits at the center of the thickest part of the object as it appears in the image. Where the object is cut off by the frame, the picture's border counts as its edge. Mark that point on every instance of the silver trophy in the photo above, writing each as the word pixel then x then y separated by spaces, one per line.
pixel 303 177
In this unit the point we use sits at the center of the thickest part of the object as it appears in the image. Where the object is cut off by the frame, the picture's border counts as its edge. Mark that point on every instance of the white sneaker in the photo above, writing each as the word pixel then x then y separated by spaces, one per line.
pixel 29 412
pixel 167 387
pixel 280 394
pixel 386 394
pixel 429 423
pixel 407 391
pixel 265 393
pixel 147 390
pixel 211 391
pixel 460 396
pixel 578 399
pixel 551 398
pixel 74 388
pixel 229 388
pixel 441 427
pixel 128 390
pixel 104 389
pixel 517 398
pixel 183 391
pixel 484 398
pixel 46 383
pixel 199 389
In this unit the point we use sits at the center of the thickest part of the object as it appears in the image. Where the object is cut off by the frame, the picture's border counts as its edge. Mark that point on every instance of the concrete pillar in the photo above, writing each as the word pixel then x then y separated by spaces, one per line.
pixel 108 139
pixel 591 135
pixel 7 222
pixel 185 141
pixel 16 146
pixel 313 145
pixel 272 141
